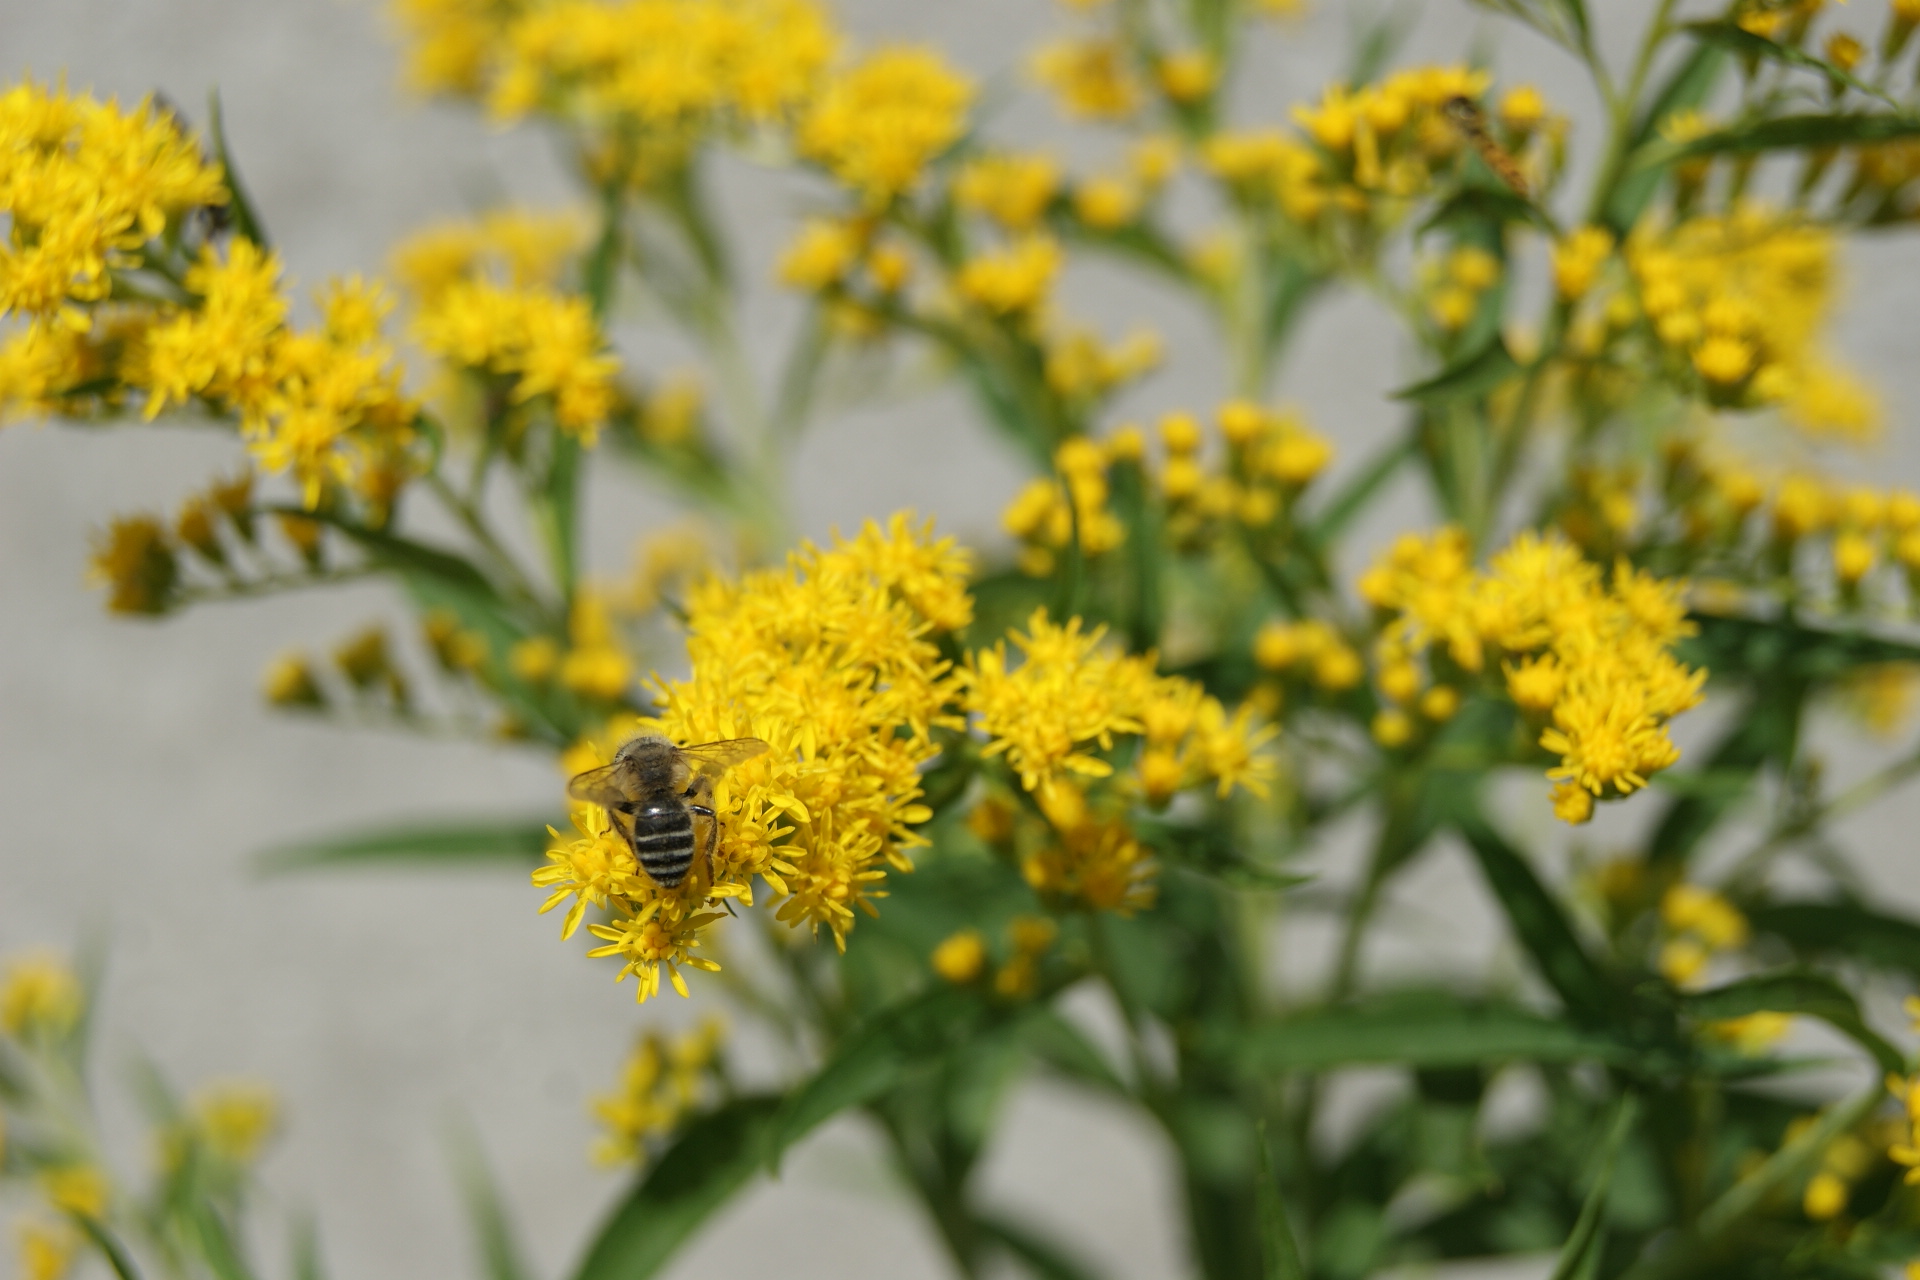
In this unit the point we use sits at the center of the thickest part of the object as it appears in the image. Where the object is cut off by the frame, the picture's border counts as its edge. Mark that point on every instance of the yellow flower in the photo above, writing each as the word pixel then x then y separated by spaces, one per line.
pixel 546 340
pixel 1106 203
pixel 1825 1197
pixel 79 1189
pixel 137 564
pixel 877 126
pixel 1577 261
pixel 961 957
pixel 1392 728
pixel 662 1081
pixel 236 1119
pixel 46 1250
pixel 1014 281
pixel 1089 78
pixel 1013 190
pixel 821 255
pixel 85 186
pixel 41 997
pixel 1187 76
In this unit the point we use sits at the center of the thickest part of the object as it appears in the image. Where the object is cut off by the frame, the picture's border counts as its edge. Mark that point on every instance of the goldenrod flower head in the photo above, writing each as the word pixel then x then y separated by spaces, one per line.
pixel 1187 76
pixel 137 564
pixel 1392 728
pixel 1012 189
pixel 546 341
pixel 41 997
pixel 830 661
pixel 1828 403
pixel 1107 203
pixel 821 255
pixel 85 184
pixel 1844 51
pixel 1577 260
pixel 1754 1033
pixel 79 1189
pixel 961 957
pixel 1095 863
pixel 289 682
pixel 1594 656
pixel 1089 78
pixel 46 1249
pixel 878 125
pixel 1011 282
pixel 1080 365
pixel 662 1082
pixel 236 1119
pixel 1688 908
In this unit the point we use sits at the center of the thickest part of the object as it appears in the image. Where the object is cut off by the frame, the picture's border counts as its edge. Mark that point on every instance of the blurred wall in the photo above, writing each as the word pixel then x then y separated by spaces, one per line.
pixel 139 773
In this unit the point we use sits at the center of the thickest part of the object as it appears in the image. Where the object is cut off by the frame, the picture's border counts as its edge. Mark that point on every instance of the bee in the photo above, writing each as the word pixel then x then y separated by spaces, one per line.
pixel 654 790
pixel 1466 116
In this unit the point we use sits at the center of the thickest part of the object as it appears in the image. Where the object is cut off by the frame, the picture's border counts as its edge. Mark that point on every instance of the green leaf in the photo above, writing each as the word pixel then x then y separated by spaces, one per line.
pixel 1279 1255
pixel 1737 40
pixel 1042 1257
pixel 1332 519
pixel 109 1245
pixel 1580 1257
pixel 1061 1045
pixel 405 554
pixel 500 1254
pixel 1474 206
pixel 713 1158
pixel 1473 374
pixel 1418 1029
pixel 1786 133
pixel 1689 86
pixel 520 841
pixel 305 1244
pixel 558 510
pixel 1794 991
pixel 878 1055
pixel 1539 923
pixel 1768 731
pixel 246 220
pixel 1886 941
pixel 1562 21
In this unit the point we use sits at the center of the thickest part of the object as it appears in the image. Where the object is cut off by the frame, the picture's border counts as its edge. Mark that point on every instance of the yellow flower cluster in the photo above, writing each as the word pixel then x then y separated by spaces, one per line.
pixel 1589 657
pixel 1072 695
pixel 1312 650
pixel 662 1082
pixel 649 77
pixel 1270 456
pixel 231 1121
pixel 513 246
pixel 832 663
pixel 1013 189
pixel 325 404
pixel 546 342
pixel 1455 285
pixel 41 997
pixel 1048 514
pixel 85 185
pixel 1906 1151
pixel 1382 141
pixel 877 125
pixel 663 64
pixel 1089 78
pixel 594 664
pixel 1081 367
pixel 1743 296
pixel 1013 282
pixel 1700 924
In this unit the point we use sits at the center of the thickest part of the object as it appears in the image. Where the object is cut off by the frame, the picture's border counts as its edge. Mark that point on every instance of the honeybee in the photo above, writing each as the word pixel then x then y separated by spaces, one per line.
pixel 1466 116
pixel 652 792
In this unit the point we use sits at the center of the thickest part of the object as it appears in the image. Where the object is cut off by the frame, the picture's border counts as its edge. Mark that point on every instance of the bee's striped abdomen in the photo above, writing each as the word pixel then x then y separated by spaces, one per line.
pixel 663 842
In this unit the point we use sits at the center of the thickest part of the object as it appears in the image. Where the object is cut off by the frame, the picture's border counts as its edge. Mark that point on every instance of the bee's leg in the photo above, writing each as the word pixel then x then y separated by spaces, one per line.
pixel 713 835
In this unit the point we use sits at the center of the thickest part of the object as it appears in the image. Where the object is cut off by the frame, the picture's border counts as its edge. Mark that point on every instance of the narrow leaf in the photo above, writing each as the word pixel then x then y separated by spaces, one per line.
pixel 1794 991
pixel 1689 86
pixel 1887 941
pixel 1279 1255
pixel 878 1055
pixel 1581 1252
pixel 305 1243
pixel 1787 133
pixel 1539 923
pixel 1734 38
pixel 1426 1029
pixel 493 1234
pixel 1472 375
pixel 1041 1256
pixel 246 220
pixel 511 840
pixel 713 1158
pixel 1351 500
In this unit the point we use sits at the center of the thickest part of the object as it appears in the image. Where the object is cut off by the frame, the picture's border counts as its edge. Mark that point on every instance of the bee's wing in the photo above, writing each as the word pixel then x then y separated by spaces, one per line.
pixel 599 786
pixel 714 758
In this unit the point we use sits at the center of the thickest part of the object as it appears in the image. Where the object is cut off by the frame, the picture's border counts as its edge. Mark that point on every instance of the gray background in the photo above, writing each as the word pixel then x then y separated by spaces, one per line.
pixel 139 772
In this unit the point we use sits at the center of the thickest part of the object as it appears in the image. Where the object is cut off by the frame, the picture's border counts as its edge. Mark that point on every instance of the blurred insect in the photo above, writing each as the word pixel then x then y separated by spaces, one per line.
pixel 652 792
pixel 1467 117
